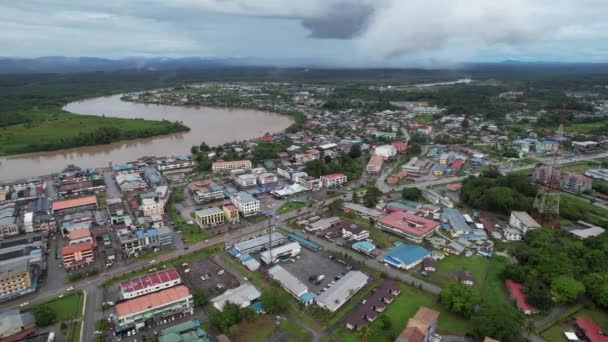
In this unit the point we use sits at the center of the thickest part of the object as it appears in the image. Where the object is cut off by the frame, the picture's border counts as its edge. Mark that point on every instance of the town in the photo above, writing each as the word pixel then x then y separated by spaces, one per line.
pixel 378 215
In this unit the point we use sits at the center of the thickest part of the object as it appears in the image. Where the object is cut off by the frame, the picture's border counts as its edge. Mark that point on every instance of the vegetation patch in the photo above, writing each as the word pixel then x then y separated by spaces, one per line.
pixel 289 206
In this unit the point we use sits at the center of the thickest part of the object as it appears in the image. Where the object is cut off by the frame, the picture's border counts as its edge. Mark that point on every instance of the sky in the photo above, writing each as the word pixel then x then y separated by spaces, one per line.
pixel 390 33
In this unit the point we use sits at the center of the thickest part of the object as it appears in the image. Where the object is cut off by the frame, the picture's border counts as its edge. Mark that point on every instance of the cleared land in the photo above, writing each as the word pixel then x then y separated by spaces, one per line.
pixel 289 206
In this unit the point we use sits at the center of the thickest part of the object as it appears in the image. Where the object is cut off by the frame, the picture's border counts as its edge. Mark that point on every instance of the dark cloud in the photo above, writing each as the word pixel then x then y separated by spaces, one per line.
pixel 343 21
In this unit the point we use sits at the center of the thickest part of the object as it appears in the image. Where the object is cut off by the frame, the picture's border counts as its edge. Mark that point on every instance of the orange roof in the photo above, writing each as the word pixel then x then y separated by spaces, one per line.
pixel 74 202
pixel 151 300
pixel 79 234
pixel 79 247
pixel 426 315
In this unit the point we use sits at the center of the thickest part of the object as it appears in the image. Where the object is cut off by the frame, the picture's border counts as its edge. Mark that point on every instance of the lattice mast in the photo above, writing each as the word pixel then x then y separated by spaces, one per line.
pixel 547 198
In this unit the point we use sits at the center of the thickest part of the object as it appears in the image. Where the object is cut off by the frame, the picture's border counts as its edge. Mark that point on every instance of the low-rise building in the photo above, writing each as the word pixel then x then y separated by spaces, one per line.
pixel 209 217
pixel 409 226
pixel 206 191
pixel 385 151
pixel 519 296
pixel 243 296
pixel 79 236
pixel 310 183
pixel 354 232
pixel 421 327
pixel 231 213
pixel 220 166
pixel 246 204
pixel 362 211
pixel 342 290
pixel 189 331
pixel 512 234
pixel 406 256
pixel 364 247
pixel 149 283
pixel 373 305
pixel 598 174
pixel 152 206
pixel 465 277
pixel 258 243
pixel 132 243
pixel 147 310
pixel 522 221
pixel 78 255
pixel 246 180
pixel 289 282
pixel 455 222
pixel 74 204
pixel 334 180
pixel 16 325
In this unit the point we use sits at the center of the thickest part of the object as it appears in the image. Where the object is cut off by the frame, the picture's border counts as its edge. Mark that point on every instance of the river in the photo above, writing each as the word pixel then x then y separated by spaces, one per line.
pixel 214 126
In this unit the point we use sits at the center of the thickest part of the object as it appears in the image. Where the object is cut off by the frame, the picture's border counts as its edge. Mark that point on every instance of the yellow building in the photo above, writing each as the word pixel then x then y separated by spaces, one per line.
pixel 231 213
pixel 14 277
pixel 209 217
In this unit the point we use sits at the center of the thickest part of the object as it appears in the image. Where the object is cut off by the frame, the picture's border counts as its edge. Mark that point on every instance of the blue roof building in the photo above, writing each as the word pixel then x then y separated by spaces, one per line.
pixel 406 256
pixel 364 247
pixel 455 223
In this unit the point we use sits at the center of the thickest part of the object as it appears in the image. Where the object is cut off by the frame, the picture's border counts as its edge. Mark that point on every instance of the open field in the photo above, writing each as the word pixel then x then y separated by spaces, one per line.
pixel 289 206
pixel 67 307
pixel 579 167
pixel 58 129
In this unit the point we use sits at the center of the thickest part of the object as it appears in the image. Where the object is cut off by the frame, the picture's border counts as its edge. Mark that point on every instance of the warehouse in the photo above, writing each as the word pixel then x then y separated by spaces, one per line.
pixel 342 290
pixel 257 244
pixel 284 252
pixel 290 283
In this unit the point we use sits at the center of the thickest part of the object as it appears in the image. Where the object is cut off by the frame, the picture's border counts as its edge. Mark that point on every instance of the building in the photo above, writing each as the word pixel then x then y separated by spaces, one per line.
pixel 385 151
pixel 512 234
pixel 146 310
pixel 406 256
pixel 362 211
pixel 322 224
pixel 373 305
pixel 584 230
pixel 364 247
pixel 16 326
pixel 221 166
pixel 209 217
pixel 74 204
pixel 334 180
pixel 79 236
pixel 591 331
pixel 342 290
pixel 375 164
pixel 576 183
pixel 409 226
pixel 8 227
pixel 309 183
pixel 15 279
pixel 585 146
pixel 435 198
pixel 189 331
pixel 545 173
pixel 354 232
pixel 152 206
pixel 243 296
pixel 77 255
pixel 289 282
pixel 246 204
pixel 283 252
pixel 516 290
pixel 132 243
pixel 257 244
pixel 522 221
pixel 598 174
pixel 429 264
pixel 421 327
pixel 267 178
pixel 455 223
pixel 246 180
pixel 465 277
pixel 148 283
pixel 206 191
pixel 231 213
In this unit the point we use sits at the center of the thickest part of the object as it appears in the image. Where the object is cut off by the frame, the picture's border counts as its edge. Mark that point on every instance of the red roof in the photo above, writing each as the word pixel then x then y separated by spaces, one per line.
pixel 230 207
pixel 487 225
pixel 392 180
pixel 409 223
pixel 266 137
pixel 333 176
pixel 152 300
pixel 518 294
pixel 400 145
pixel 282 154
pixel 591 329
pixel 376 161
pixel 74 203
pixel 79 247
pixel 149 280
pixel 454 186
pixel 457 164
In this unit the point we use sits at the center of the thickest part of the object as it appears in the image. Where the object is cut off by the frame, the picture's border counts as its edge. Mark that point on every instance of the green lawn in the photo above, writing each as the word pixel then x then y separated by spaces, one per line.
pixel 585 127
pixel 296 333
pixel 67 307
pixel 383 238
pixel 73 332
pixel 579 167
pixel 402 309
pixel 289 206
pixel 57 129
pixel 191 232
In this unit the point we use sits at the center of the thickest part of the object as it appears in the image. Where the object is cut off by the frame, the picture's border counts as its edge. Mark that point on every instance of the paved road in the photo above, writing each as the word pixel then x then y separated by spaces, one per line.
pixel 380 183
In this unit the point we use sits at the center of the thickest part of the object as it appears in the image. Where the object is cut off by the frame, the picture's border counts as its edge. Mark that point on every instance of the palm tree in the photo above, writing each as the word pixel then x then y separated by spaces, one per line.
pixel 365 333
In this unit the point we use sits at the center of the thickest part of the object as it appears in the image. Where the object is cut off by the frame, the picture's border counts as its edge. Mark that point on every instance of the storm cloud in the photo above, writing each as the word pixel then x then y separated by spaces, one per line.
pixel 361 32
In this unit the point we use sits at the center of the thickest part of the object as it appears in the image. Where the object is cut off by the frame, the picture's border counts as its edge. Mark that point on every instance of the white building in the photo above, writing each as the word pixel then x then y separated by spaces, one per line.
pixel 522 221
pixel 242 296
pixel 246 204
pixel 246 180
pixel 386 151
pixel 290 283
pixel 282 252
pixel 151 206
pixel 342 290
pixel 334 180
pixel 267 178
pixel 513 234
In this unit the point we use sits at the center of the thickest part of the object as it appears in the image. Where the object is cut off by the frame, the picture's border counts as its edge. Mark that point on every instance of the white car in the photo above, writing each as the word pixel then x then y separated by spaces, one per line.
pixel 187 270
pixel 71 288
pixel 153 261
pixel 220 272
pixel 24 304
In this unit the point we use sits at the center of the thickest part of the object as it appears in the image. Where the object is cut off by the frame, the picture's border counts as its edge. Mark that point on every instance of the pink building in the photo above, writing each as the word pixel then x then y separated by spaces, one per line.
pixel 333 180
pixel 375 164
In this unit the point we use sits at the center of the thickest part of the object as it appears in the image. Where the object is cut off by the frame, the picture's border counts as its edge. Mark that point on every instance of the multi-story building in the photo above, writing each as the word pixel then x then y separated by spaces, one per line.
pixel 231 213
pixel 77 255
pixel 246 204
pixel 410 226
pixel 209 217
pixel 15 279
pixel 545 173
pixel 78 236
pixel 150 283
pixel 141 240
pixel 334 180
pixel 267 178
pixel 206 191
pixel 8 227
pixel 375 164
pixel 179 164
pixel 385 151
pixel 220 166
pixel 246 180
pixel 576 183
pixel 152 206
pixel 310 183
pixel 147 310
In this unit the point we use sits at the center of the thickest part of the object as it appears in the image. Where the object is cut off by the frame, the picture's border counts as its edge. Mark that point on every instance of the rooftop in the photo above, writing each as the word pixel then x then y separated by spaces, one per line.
pixel 517 292
pixel 71 249
pixel 407 254
pixel 151 300
pixel 339 293
pixel 149 280
pixel 74 202
pixel 409 223
pixel 209 211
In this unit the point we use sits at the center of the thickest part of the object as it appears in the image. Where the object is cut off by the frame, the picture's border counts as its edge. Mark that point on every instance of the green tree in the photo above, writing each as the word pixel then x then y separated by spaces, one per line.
pixel 202 162
pixel 597 287
pixel 411 194
pixel 274 300
pixel 371 197
pixel 336 206
pixel 200 298
pixel 459 298
pixel 355 151
pixel 364 333
pixel 266 150
pixel 566 289
pixel 44 316
pixel 194 150
pixel 499 324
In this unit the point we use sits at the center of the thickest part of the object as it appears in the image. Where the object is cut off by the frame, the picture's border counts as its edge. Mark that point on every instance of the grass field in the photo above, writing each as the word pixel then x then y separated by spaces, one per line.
pixel 579 167
pixel 382 238
pixel 585 127
pixel 289 206
pixel 58 129
pixel 73 332
pixel 556 332
pixel 67 307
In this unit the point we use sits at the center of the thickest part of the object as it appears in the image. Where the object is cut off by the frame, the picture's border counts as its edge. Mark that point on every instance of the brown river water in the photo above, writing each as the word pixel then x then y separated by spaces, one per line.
pixel 214 126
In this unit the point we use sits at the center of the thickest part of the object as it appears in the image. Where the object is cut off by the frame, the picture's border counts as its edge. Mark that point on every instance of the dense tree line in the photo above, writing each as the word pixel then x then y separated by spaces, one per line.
pixel 495 192
pixel 352 168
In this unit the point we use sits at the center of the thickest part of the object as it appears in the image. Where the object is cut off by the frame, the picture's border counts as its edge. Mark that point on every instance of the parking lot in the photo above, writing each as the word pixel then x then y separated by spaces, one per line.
pixel 315 264
pixel 207 276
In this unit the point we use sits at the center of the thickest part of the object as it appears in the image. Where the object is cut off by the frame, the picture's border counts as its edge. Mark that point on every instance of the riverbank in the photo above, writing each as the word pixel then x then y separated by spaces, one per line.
pixel 55 129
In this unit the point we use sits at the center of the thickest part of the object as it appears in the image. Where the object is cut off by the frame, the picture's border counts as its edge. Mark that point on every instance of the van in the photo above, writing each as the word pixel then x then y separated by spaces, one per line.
pixel 321 277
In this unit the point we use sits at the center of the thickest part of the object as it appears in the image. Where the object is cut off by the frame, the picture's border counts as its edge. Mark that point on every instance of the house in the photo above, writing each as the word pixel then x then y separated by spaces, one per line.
pixel 373 305
pixel 465 277
pixel 209 217
pixel 333 180
pixel 149 283
pixel 362 211
pixel 375 164
pixel 516 290
pixel 522 221
pixel 455 222
pixel 354 232
pixel 512 234
pixel 410 226
pixel 429 264
pixel 592 331
pixel 454 248
pixel 243 296
pixel 421 327
pixel 584 230
pixel 406 256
